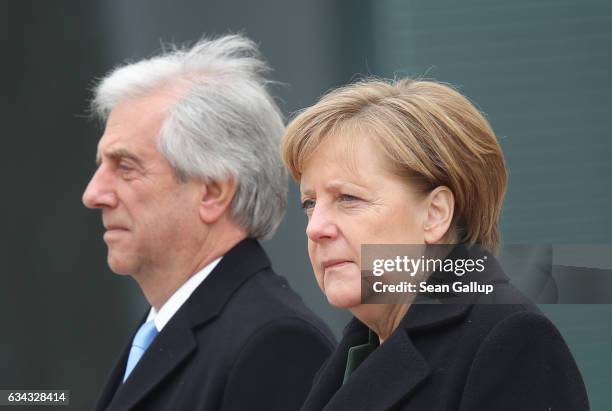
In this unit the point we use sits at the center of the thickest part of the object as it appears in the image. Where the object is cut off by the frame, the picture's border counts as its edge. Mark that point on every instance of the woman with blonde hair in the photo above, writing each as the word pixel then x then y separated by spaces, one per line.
pixel 414 162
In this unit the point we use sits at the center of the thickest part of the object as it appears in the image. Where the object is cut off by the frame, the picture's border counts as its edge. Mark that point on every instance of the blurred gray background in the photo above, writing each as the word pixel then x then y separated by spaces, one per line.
pixel 540 70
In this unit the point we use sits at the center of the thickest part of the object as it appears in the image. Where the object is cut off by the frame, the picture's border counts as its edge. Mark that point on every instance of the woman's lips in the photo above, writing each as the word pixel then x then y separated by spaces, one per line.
pixel 335 263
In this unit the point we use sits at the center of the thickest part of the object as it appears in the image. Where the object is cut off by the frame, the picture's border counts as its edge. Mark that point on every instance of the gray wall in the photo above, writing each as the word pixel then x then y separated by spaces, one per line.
pixel 538 70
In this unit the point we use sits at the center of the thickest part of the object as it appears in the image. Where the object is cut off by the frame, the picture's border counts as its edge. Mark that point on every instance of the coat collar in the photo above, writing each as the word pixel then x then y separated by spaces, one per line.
pixel 176 342
pixel 396 368
pixel 391 372
pixel 235 268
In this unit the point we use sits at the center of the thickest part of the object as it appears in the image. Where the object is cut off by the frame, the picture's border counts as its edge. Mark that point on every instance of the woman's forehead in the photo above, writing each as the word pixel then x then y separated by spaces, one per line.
pixel 344 159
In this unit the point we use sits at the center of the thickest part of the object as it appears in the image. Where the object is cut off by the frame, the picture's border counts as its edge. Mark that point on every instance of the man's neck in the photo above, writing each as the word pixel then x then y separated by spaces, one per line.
pixel 159 283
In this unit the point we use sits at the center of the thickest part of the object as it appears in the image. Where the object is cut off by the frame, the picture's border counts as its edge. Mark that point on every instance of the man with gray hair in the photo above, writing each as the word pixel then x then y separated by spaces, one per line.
pixel 188 179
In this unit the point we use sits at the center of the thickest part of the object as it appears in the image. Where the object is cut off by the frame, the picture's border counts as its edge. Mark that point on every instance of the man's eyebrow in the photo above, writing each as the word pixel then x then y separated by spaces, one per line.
pixel 118 154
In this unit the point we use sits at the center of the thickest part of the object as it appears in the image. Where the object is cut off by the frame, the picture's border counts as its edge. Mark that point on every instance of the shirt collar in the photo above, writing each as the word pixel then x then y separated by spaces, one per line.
pixel 179 297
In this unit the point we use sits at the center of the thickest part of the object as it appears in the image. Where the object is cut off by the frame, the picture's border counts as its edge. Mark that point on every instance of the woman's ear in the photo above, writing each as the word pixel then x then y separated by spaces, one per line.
pixel 215 199
pixel 440 205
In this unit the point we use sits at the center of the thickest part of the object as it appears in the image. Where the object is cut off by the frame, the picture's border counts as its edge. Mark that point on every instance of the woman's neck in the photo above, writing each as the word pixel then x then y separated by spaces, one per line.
pixel 383 319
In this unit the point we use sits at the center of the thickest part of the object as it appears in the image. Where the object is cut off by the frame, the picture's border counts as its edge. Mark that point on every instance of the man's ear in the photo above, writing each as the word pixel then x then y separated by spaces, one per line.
pixel 440 205
pixel 215 199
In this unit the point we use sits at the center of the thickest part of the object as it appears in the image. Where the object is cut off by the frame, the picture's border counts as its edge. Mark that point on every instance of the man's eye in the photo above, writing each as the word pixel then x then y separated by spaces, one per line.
pixel 308 204
pixel 124 167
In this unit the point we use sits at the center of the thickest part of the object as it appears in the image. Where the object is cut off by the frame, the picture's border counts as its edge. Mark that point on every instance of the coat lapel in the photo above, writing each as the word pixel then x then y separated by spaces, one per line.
pixel 114 380
pixel 329 378
pixel 168 350
pixel 176 341
pixel 395 370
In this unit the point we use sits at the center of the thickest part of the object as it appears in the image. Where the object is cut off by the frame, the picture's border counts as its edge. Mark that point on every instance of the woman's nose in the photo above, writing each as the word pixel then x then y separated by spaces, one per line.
pixel 321 225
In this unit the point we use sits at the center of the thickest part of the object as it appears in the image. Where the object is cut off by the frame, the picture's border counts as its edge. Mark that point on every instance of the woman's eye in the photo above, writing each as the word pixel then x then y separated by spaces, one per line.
pixel 308 204
pixel 347 198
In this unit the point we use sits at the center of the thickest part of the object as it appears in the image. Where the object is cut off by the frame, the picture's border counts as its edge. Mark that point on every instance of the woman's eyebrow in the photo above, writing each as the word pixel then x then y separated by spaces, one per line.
pixel 335 186
pixel 339 185
pixel 307 192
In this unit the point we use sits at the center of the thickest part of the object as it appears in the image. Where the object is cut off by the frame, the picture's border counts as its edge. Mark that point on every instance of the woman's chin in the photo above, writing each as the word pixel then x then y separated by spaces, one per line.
pixel 343 300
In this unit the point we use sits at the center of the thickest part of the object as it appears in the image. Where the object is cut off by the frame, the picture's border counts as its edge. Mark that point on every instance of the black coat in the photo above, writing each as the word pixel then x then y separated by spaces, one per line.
pixel 243 340
pixel 457 357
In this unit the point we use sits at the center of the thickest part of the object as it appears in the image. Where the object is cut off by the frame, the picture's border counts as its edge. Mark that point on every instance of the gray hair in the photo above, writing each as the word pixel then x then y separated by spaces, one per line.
pixel 224 124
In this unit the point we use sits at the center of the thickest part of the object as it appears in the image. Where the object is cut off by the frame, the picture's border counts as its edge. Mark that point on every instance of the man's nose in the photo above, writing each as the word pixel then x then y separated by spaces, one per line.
pixel 99 192
pixel 321 225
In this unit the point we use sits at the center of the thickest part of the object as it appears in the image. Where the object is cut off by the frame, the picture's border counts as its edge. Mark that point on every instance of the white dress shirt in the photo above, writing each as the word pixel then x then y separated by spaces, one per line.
pixel 179 297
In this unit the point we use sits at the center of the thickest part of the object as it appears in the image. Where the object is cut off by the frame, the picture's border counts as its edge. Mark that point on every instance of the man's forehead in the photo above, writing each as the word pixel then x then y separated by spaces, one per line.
pixel 150 105
pixel 124 142
pixel 129 136
pixel 133 127
pixel 137 116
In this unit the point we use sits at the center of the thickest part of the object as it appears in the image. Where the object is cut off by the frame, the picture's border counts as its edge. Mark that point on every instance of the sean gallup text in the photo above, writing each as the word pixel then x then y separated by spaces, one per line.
pixel 455 288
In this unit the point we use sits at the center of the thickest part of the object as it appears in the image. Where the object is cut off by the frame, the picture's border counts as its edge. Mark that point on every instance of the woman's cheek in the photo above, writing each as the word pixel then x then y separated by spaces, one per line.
pixel 316 271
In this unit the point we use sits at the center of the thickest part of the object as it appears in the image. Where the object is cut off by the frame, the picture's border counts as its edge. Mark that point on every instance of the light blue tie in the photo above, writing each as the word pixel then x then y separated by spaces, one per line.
pixel 145 335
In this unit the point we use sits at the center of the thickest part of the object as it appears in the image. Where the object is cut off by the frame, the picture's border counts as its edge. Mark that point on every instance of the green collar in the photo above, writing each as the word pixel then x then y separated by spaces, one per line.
pixel 357 354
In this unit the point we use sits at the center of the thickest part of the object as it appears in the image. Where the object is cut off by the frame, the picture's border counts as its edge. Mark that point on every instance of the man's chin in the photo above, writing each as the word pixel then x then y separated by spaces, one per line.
pixel 119 266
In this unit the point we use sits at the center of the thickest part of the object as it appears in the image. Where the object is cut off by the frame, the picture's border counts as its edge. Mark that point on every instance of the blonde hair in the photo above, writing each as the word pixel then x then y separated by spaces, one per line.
pixel 431 135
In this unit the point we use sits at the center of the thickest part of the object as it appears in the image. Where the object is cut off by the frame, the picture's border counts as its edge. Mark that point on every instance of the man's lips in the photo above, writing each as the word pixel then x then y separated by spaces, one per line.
pixel 112 227
pixel 113 231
